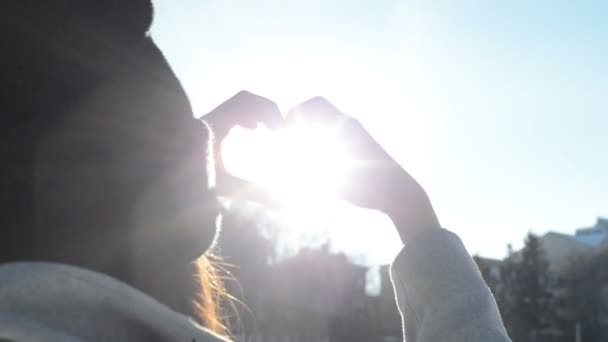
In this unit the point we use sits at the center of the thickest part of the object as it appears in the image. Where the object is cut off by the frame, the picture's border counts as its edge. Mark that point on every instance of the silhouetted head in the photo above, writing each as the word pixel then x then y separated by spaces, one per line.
pixel 104 165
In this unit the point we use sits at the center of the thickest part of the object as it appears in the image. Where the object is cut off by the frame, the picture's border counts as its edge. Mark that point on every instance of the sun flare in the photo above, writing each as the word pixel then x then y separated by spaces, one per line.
pixel 301 165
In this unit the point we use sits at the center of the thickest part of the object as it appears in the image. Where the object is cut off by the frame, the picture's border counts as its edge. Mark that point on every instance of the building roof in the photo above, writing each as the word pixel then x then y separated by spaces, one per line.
pixel 593 236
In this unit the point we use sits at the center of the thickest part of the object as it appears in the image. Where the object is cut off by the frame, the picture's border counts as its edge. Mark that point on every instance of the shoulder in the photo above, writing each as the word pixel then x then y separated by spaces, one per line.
pixel 89 305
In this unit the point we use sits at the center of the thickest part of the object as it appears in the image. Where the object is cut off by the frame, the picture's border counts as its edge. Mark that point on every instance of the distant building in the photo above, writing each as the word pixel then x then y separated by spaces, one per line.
pixel 596 236
pixel 561 248
pixel 312 296
pixel 321 282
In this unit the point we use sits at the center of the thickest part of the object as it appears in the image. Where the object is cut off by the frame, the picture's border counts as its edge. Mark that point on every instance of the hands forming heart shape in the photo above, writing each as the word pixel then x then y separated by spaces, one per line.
pixel 374 179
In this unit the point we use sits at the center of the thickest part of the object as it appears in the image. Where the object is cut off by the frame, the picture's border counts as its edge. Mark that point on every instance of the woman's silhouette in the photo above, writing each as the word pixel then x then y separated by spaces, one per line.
pixel 105 168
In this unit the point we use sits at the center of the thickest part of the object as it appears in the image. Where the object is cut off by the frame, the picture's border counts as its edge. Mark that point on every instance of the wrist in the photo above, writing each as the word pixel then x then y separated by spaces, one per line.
pixel 412 214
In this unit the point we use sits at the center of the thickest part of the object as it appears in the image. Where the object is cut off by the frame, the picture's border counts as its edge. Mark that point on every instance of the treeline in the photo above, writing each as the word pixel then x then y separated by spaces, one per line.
pixel 539 304
pixel 315 295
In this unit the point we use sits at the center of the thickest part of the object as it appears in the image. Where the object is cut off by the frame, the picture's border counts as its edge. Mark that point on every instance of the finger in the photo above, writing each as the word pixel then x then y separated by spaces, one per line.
pixel 253 109
pixel 316 110
pixel 319 111
pixel 244 109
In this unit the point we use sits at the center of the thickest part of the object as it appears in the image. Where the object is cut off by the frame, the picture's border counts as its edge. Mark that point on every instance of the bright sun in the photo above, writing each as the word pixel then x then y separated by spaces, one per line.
pixel 301 166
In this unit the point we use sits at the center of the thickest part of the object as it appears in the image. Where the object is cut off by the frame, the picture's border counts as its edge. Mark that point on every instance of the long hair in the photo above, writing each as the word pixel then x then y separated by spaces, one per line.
pixel 215 306
pixel 212 293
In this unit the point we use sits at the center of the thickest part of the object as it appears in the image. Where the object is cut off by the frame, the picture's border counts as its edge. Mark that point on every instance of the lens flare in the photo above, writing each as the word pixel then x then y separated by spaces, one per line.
pixel 303 167
pixel 300 165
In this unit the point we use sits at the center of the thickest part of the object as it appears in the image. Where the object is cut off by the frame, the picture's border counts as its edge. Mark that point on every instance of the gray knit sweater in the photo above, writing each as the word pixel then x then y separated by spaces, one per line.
pixel 439 290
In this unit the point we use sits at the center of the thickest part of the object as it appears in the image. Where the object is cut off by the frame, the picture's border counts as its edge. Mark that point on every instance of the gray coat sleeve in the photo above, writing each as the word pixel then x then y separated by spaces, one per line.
pixel 441 294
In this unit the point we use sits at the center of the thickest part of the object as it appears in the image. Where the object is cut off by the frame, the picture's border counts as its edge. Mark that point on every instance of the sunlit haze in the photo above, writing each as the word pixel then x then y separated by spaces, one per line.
pixel 497 108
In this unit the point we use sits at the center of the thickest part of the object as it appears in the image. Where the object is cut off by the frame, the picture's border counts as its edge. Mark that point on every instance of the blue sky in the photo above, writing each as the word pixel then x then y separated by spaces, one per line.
pixel 499 108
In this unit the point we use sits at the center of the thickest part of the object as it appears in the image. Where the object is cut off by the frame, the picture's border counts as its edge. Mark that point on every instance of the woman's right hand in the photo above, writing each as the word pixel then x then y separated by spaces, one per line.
pixel 376 181
pixel 247 110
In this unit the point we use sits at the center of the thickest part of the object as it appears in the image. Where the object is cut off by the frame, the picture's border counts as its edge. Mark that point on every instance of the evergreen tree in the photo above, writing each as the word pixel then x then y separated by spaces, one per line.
pixel 525 297
pixel 485 269
pixel 584 288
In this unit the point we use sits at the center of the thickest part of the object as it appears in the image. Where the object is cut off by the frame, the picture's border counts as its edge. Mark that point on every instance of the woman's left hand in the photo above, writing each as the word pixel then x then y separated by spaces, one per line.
pixel 247 110
pixel 376 181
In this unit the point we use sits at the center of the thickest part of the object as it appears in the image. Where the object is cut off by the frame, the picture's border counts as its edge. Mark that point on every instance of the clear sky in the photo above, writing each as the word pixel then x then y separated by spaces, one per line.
pixel 498 108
